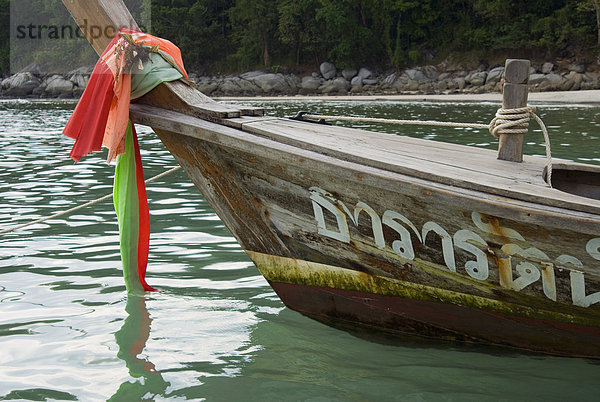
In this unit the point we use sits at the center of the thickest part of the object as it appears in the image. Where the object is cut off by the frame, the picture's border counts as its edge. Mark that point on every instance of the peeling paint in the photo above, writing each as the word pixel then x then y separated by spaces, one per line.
pixel 520 265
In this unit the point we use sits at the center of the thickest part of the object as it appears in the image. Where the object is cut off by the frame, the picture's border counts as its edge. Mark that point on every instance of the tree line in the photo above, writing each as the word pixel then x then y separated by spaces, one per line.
pixel 237 35
pixel 246 34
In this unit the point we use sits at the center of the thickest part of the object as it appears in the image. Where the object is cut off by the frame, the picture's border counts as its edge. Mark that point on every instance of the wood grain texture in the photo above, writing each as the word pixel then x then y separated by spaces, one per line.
pixel 564 213
pixel 273 180
pixel 514 95
pixel 110 16
pixel 433 162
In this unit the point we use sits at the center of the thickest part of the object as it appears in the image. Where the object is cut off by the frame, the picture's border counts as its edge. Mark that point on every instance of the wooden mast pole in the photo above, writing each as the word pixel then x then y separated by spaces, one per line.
pixel 99 20
pixel 514 95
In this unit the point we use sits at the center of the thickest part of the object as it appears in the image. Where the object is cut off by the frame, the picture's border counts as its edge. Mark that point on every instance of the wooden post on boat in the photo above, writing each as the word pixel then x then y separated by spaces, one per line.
pixel 514 95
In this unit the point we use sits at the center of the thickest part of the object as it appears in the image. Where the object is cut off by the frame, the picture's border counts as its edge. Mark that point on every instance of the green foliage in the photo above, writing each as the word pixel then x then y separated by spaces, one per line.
pixel 355 32
pixel 298 29
pixel 415 24
pixel 254 27
pixel 234 35
pixel 200 28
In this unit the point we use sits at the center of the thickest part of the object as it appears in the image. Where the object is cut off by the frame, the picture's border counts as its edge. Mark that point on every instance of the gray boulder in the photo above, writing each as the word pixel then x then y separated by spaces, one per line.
pixel 230 86
pixel 357 81
pixel 399 83
pixel 476 78
pixel 328 70
pixel 426 87
pixel 430 72
pixel 416 75
pixel 547 67
pixel 34 69
pixel 85 70
pixel 339 85
pixel 459 82
pixel 272 83
pixel 349 74
pixel 79 80
pixel 253 74
pixel 247 86
pixel 577 80
pixel 310 83
pixel 536 78
pixel 207 85
pixel 59 87
pixel 364 73
pixel 13 80
pixel 494 75
pixel 555 78
pixel 77 92
pixel 402 80
pixel 20 84
pixel 388 80
pixel 578 67
pixel 552 82
pixel 572 82
pixel 411 86
pixel 293 80
pixel 443 76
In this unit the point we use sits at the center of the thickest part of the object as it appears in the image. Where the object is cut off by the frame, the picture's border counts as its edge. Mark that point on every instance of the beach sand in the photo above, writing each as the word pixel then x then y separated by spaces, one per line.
pixel 566 97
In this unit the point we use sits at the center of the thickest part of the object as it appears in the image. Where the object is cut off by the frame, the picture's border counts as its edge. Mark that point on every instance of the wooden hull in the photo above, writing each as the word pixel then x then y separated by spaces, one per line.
pixel 353 244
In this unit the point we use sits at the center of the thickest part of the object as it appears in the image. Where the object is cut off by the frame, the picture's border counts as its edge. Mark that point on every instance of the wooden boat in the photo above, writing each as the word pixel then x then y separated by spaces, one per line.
pixel 363 229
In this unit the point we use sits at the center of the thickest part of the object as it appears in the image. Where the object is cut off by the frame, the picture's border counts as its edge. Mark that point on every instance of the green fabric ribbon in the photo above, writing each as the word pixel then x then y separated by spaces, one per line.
pixel 126 194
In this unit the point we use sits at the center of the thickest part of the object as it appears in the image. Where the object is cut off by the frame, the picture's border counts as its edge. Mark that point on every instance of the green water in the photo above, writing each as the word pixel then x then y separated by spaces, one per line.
pixel 217 331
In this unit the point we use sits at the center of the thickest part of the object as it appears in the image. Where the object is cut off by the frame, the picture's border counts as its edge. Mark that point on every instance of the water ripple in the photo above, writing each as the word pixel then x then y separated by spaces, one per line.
pixel 216 330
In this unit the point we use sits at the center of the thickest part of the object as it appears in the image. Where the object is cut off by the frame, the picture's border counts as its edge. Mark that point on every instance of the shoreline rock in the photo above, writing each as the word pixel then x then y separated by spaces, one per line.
pixel 33 82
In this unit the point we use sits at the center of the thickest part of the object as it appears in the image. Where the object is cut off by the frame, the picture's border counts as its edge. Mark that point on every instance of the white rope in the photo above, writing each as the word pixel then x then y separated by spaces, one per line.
pixel 87 204
pixel 516 121
pixel 510 121
pixel 506 121
pixel 548 151
pixel 396 121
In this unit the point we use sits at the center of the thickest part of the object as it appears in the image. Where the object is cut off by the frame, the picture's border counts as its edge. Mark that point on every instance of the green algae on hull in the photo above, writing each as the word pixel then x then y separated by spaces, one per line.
pixel 300 272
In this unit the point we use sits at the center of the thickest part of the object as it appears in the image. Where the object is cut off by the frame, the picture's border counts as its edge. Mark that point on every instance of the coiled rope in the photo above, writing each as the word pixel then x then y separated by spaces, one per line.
pixel 87 204
pixel 506 121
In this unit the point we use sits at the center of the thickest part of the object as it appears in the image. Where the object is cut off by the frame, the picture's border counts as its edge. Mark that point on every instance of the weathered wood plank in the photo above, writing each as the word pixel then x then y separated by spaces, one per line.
pixel 537 196
pixel 451 164
pixel 182 98
pixel 109 16
pixel 374 145
pixel 240 122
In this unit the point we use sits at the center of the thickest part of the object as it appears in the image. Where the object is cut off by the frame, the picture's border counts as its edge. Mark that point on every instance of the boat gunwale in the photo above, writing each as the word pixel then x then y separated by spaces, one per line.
pixel 582 208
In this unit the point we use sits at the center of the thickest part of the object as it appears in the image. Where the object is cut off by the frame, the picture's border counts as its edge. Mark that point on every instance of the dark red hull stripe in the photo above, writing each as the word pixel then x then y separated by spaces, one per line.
pixel 439 320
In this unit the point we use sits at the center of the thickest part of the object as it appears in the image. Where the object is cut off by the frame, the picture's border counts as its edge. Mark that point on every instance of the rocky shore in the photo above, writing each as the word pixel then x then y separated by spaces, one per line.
pixel 33 82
